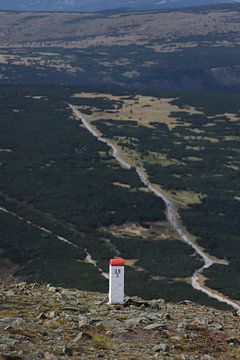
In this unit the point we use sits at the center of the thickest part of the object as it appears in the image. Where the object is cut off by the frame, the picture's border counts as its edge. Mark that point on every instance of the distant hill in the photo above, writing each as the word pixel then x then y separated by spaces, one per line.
pixel 98 5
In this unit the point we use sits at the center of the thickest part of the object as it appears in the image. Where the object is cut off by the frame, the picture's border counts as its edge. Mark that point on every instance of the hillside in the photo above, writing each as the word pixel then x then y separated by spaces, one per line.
pixel 174 50
pixel 161 31
pixel 67 206
pixel 160 88
pixel 98 5
pixel 43 322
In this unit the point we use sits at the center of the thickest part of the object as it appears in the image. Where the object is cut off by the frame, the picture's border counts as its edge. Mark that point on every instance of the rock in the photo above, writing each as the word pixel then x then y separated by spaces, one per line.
pixel 118 331
pixel 94 321
pixel 233 341
pixel 3 347
pixel 39 355
pixel 175 338
pixel 21 338
pixel 187 302
pixel 152 317
pixel 52 289
pixel 57 331
pixel 108 324
pixel 165 357
pixel 207 357
pixel 237 313
pixel 187 357
pixel 42 316
pixel 82 336
pixel 161 347
pixel 132 302
pixel 67 351
pixel 50 322
pixel 33 286
pixel 136 321
pixel 72 318
pixel 154 326
pixel 52 314
pixel 11 357
pixel 22 285
pixel 218 327
pixel 192 335
pixel 168 317
pixel 9 293
pixel 202 322
pixel 83 310
pixel 8 340
pixel 181 325
pixel 49 356
pixel 66 293
pixel 71 308
pixel 13 321
pixel 101 302
pixel 83 321
pixel 156 304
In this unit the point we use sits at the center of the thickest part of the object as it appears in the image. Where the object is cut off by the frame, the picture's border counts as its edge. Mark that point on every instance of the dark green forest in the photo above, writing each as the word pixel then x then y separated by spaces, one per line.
pixel 127 67
pixel 207 149
pixel 57 183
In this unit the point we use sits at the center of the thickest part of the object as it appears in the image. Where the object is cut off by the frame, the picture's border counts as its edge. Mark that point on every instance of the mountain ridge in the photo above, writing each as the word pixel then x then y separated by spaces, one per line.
pixel 97 5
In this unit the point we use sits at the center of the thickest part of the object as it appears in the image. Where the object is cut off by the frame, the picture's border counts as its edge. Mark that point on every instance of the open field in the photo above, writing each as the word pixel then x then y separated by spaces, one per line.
pixel 142 109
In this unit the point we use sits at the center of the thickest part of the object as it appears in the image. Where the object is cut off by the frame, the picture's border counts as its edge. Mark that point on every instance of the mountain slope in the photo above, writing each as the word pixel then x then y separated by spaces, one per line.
pixel 98 5
pixel 57 323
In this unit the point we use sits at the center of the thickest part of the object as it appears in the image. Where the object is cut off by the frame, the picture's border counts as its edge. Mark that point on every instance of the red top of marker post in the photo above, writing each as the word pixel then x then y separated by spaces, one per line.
pixel 117 262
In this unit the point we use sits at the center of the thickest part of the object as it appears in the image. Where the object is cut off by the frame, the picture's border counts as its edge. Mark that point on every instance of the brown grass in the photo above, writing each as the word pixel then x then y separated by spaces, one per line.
pixel 121 28
pixel 142 109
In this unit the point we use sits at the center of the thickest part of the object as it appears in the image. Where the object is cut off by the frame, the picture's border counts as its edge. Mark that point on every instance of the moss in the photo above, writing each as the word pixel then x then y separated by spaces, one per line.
pixel 103 342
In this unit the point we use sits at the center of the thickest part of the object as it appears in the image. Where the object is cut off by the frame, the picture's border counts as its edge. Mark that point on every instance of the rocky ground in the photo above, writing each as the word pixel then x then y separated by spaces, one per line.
pixel 43 322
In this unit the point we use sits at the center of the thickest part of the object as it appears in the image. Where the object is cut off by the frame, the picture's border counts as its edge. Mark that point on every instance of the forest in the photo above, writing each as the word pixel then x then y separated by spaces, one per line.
pixel 58 196
pixel 203 155
pixel 130 67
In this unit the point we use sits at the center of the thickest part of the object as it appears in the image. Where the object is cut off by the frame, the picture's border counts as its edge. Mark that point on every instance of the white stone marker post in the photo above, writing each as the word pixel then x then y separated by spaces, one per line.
pixel 116 281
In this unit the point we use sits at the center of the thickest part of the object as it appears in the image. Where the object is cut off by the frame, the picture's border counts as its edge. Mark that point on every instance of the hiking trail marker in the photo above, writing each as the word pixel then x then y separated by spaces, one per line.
pixel 116 281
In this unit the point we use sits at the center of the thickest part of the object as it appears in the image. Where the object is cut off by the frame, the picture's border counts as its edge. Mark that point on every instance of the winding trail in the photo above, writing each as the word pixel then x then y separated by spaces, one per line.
pixel 171 216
